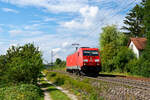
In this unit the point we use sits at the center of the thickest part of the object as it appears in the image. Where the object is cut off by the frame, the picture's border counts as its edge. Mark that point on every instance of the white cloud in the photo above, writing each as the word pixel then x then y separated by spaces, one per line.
pixel 84 28
pixel 51 5
pixel 57 6
pixel 16 32
pixel 10 10
pixel 59 43
pixel 65 44
pixel 89 11
pixel 31 27
pixel 88 16
pixel 35 21
pixel 93 18
pixel 13 45
pixel 47 19
pixel 1 30
pixel 56 50
pixel 4 45
pixel 71 24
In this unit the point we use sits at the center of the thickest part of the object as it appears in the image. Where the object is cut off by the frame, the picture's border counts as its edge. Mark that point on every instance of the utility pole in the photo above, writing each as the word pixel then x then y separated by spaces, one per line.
pixel 76 45
pixel 52 57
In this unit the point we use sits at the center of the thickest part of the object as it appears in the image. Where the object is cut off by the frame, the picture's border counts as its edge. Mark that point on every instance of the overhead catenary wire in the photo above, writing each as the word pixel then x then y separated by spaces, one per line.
pixel 101 22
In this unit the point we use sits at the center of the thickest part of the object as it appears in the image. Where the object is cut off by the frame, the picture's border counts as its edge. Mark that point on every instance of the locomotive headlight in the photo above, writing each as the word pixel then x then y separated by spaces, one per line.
pixel 96 60
pixel 85 60
pixel 85 63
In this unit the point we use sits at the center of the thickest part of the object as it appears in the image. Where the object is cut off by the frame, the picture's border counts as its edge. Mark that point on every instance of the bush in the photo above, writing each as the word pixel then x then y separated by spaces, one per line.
pixel 133 67
pixel 21 92
pixel 22 64
pixel 145 70
pixel 139 67
pixel 122 58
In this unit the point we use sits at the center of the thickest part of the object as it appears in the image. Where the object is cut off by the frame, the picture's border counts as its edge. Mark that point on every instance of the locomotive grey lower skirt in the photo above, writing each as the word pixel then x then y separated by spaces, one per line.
pixel 74 67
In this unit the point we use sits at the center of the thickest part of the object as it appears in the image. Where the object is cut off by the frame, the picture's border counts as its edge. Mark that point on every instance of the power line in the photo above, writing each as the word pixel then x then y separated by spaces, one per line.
pixel 98 24
pixel 113 15
pixel 52 57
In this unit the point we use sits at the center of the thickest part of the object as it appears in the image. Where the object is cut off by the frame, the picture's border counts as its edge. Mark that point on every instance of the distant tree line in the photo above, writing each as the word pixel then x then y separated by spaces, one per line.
pixel 60 63
pixel 115 55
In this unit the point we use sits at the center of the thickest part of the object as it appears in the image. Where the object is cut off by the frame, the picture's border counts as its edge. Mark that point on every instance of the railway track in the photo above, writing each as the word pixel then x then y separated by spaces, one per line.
pixel 128 82
pixel 139 88
pixel 140 84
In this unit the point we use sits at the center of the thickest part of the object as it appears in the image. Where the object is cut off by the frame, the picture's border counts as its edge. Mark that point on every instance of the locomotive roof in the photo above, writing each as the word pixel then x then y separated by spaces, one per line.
pixel 84 49
pixel 89 48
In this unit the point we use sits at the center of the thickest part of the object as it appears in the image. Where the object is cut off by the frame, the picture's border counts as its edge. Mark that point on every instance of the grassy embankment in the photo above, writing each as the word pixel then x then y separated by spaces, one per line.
pixel 121 74
pixel 85 89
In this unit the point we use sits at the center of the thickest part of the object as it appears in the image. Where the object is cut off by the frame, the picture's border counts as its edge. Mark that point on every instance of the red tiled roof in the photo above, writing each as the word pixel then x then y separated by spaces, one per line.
pixel 140 43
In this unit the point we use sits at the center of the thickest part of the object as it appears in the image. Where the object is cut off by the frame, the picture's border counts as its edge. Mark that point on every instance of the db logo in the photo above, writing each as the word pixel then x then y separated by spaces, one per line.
pixel 91 59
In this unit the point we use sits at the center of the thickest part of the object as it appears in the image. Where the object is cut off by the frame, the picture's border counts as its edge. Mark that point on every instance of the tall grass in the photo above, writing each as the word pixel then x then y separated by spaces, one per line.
pixel 82 88
pixel 21 92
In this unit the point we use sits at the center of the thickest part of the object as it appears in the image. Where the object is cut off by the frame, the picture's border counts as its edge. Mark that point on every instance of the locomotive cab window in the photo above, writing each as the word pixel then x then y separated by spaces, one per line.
pixel 90 53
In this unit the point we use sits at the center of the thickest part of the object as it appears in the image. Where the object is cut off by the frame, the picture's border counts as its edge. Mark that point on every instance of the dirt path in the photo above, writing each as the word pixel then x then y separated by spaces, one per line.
pixel 71 96
pixel 46 94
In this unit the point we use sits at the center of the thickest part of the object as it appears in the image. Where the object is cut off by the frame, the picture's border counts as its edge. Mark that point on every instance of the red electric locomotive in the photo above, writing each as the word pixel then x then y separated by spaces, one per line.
pixel 84 60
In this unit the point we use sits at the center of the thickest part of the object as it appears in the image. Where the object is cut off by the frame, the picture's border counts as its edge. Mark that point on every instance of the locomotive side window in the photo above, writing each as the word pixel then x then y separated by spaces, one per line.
pixel 90 53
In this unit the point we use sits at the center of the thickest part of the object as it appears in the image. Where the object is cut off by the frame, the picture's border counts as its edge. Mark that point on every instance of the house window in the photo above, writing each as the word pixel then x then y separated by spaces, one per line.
pixel 132 47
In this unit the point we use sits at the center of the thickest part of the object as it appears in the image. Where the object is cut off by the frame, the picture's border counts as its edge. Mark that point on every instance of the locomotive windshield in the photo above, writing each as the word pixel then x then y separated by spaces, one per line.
pixel 90 53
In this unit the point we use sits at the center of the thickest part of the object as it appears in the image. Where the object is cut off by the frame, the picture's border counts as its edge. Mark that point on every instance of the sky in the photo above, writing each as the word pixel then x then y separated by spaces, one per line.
pixel 54 25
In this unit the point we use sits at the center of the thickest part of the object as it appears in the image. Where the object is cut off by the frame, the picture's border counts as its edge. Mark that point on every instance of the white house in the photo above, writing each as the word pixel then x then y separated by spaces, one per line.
pixel 137 45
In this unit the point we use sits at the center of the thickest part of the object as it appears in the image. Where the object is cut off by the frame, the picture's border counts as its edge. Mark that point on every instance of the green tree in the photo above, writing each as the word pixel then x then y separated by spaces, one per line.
pixel 3 62
pixel 146 55
pixel 122 40
pixel 110 42
pixel 141 66
pixel 107 54
pixel 109 34
pixel 146 4
pixel 58 61
pixel 134 22
pixel 24 64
